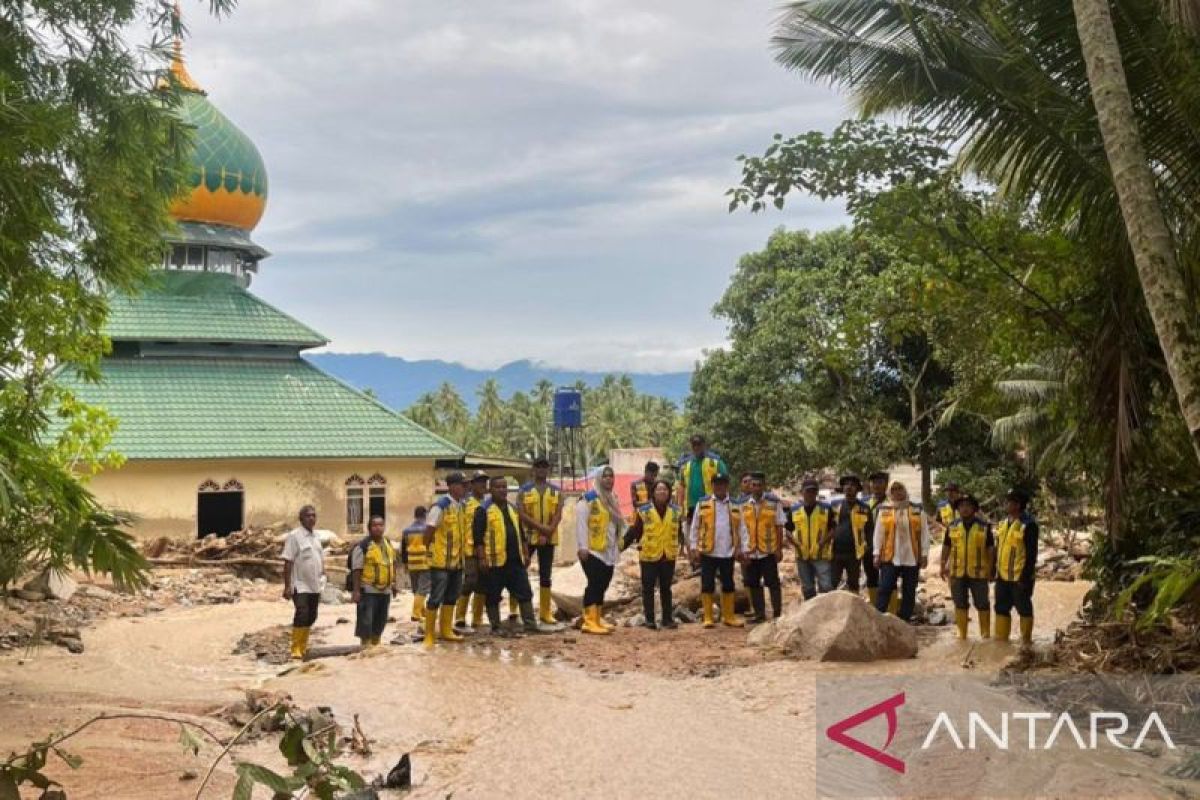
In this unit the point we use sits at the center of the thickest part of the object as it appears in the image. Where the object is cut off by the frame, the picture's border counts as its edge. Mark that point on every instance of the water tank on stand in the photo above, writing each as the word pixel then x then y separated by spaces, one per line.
pixel 568 408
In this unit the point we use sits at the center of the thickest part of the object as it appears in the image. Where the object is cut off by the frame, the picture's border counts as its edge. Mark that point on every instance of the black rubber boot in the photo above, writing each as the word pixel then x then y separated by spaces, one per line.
pixel 529 617
pixel 777 601
pixel 493 615
pixel 759 603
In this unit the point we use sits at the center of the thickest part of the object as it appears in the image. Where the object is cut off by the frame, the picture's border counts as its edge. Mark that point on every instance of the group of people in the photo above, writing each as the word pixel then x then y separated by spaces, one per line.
pixel 473 545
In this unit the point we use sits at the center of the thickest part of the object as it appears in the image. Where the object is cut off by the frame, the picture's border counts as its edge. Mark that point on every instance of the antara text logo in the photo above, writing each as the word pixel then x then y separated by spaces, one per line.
pixel 1005 731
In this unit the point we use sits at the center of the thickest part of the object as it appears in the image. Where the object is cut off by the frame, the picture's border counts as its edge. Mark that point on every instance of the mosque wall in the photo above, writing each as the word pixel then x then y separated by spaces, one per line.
pixel 164 494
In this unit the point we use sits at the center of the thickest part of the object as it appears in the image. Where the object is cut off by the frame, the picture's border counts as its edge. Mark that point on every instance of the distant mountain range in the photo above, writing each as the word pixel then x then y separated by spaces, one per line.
pixel 398 382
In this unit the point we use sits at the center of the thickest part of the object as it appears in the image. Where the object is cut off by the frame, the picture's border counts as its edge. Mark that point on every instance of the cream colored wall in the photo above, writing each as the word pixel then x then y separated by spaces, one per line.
pixel 163 493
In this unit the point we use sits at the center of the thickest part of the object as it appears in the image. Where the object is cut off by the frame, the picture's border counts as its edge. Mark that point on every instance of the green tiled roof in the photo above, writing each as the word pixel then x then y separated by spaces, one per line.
pixel 188 408
pixel 186 306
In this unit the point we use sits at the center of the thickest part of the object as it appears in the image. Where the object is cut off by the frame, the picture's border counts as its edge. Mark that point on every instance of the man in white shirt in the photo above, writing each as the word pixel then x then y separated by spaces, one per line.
pixel 716 537
pixel 901 549
pixel 303 577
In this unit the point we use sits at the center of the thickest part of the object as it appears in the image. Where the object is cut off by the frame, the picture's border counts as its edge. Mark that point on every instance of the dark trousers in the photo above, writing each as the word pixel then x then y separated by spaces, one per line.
pixel 305 604
pixel 470 577
pixel 657 573
pixel 545 559
pixel 710 568
pixel 889 576
pixel 1014 594
pixel 974 590
pixel 511 577
pixel 372 614
pixel 599 576
pixel 868 568
pixel 444 586
pixel 759 571
pixel 849 566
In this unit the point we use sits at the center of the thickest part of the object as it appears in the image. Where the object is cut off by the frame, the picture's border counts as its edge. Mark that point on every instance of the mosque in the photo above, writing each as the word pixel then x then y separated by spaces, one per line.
pixel 222 423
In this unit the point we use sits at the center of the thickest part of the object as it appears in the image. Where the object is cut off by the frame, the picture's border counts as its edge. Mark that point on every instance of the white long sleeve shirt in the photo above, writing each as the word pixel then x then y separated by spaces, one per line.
pixel 902 556
pixel 611 550
pixel 724 533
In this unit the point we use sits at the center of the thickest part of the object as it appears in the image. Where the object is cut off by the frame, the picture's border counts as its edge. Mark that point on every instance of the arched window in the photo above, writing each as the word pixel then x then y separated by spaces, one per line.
pixel 377 496
pixel 355 503
pixel 220 508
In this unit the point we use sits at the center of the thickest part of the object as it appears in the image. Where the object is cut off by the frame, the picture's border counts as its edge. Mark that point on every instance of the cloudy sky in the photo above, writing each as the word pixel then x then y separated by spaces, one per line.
pixel 483 181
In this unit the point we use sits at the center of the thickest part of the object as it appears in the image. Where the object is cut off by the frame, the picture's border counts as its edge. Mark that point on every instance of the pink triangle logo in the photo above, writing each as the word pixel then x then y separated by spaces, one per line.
pixel 837 732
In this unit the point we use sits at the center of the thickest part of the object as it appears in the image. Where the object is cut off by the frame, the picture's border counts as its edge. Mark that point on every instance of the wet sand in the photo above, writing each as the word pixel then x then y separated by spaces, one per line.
pixel 484 719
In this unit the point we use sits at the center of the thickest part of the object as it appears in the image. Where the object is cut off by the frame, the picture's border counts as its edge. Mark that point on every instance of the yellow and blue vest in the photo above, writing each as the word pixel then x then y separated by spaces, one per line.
pixel 597 523
pixel 541 506
pixel 1011 547
pixel 969 549
pixel 660 534
pixel 414 548
pixel 860 515
pixel 706 534
pixel 379 564
pixel 450 536
pixel 760 519
pixel 495 538
pixel 887 515
pixel 810 529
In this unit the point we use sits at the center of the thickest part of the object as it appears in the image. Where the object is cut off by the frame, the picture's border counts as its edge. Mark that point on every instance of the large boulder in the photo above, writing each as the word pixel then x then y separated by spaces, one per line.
pixel 53 584
pixel 837 626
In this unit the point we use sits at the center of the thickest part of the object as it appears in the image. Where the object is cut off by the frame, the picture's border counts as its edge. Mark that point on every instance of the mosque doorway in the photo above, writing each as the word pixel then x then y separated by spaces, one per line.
pixel 219 509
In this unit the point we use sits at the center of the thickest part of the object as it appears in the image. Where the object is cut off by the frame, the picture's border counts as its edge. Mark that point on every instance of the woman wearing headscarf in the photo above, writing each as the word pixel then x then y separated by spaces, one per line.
pixel 598 529
pixel 901 549
pixel 657 527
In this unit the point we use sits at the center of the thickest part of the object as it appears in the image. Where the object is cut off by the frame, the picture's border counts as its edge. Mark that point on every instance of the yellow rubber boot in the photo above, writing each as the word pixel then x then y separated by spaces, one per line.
pixel 1026 630
pixel 430 627
pixel 544 613
pixel 460 609
pixel 706 606
pixel 872 596
pixel 985 624
pixel 299 642
pixel 598 616
pixel 894 604
pixel 727 616
pixel 589 621
pixel 1003 627
pixel 418 609
pixel 477 603
pixel 446 617
pixel 961 621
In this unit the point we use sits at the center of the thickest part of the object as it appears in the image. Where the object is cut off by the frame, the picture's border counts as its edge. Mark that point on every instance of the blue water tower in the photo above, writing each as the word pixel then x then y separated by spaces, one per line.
pixel 568 408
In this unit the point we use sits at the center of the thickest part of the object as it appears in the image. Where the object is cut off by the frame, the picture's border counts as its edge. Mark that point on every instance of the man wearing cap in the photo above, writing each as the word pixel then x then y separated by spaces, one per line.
pixel 446 528
pixel 1016 566
pixel 471 596
pixel 639 490
pixel 764 516
pixel 850 516
pixel 539 504
pixel 696 472
pixel 811 526
pixel 498 538
pixel 716 537
pixel 968 558
pixel 947 506
pixel 875 501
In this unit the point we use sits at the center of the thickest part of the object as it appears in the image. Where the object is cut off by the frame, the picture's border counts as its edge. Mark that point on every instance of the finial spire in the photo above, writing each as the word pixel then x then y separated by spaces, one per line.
pixel 185 80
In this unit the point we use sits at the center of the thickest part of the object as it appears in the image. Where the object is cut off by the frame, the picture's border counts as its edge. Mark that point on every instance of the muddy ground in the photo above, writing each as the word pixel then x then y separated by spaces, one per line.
pixel 685 713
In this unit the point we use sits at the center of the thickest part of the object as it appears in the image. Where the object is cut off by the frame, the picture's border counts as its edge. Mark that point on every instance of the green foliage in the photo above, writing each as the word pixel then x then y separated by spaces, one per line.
pixel 615 416
pixel 90 158
pixel 311 753
pixel 28 769
pixel 1165 583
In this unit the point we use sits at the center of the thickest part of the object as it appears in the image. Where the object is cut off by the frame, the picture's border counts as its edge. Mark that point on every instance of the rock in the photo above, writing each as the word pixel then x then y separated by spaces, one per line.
pixel 683 615
pixel 570 605
pixel 31 596
pixel 838 626
pixel 54 584
pixel 73 645
pixel 331 595
pixel 100 593
pixel 635 621
pixel 938 617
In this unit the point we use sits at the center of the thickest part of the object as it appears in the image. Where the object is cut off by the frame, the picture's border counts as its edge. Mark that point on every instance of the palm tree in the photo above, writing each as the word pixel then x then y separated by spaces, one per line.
pixel 1011 81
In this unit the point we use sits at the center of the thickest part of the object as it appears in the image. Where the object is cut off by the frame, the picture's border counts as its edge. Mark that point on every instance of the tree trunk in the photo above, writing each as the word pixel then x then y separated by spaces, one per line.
pixel 1175 323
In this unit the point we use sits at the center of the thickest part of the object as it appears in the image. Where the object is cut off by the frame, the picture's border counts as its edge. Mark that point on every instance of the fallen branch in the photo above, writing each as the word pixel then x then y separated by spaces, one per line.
pixel 213 766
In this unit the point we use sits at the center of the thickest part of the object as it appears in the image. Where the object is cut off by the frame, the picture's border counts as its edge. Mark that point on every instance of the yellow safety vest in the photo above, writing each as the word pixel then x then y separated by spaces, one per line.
pixel 860 515
pixel 888 551
pixel 760 520
pixel 810 530
pixel 660 535
pixel 706 535
pixel 968 550
pixel 379 564
pixel 946 513
pixel 450 536
pixel 641 492
pixel 495 538
pixel 597 523
pixel 1010 549
pixel 709 467
pixel 541 506
pixel 418 556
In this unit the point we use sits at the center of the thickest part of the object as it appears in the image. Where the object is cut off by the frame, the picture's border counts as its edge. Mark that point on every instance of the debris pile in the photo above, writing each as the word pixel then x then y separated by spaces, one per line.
pixel 1063 554
pixel 1120 647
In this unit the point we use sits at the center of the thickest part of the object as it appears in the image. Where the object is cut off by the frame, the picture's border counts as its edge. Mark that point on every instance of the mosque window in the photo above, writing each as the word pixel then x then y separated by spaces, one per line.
pixel 377 496
pixel 355 503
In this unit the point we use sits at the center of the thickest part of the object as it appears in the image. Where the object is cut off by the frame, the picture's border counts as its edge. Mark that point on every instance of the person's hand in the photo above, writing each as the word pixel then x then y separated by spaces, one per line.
pixel 543 539
pixel 584 555
pixel 355 596
pixel 877 562
pixel 287 593
pixel 395 592
pixel 924 562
